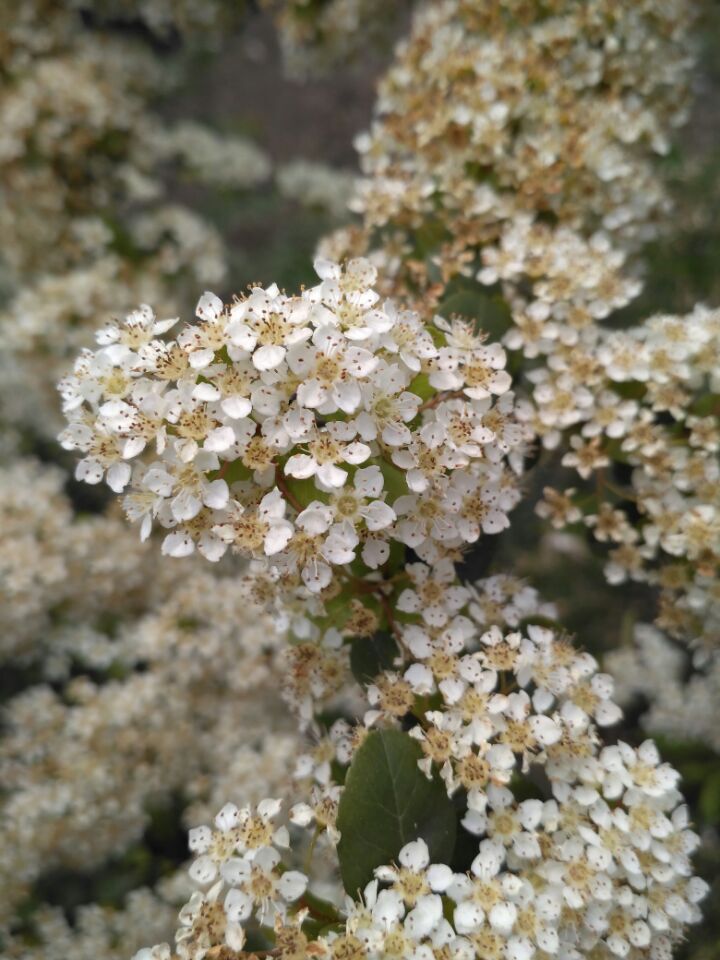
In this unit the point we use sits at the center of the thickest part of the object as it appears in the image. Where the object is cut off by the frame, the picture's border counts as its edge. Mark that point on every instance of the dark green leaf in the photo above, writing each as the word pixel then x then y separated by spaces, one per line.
pixel 476 302
pixel 388 802
pixel 370 655
pixel 710 799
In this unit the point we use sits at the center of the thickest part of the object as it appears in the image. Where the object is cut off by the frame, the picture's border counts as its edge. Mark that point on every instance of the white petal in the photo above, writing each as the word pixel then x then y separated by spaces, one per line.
pixel 118 476
pixel 439 876
pixel 326 269
pixel 177 545
pixel 199 839
pixel 227 817
pixel 89 470
pixel 207 392
pixel 315 519
pixel 378 515
pixel 203 870
pixel 301 466
pixel 468 917
pixel 292 884
pixel 375 553
pixel 268 357
pixel 201 358
pixel 132 447
pixel 220 439
pixel 234 936
pixel 519 948
pixel 238 905
pixel 302 814
pixel 415 855
pixel 216 494
pixel 348 396
pixel 236 407
pixel 209 306
pixel 369 481
pixel 502 917
pixel 241 335
pixel 236 870
pixel 545 729
pixel 356 452
pixel 278 537
pixel 331 475
pixel 421 920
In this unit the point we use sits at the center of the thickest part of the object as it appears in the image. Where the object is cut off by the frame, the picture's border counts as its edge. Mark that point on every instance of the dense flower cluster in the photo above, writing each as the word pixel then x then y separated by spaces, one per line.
pixel 645 401
pixel 682 702
pixel 601 861
pixel 315 431
pixel 97 931
pixel 58 572
pixel 494 111
pixel 473 171
pixel 295 427
pixel 83 164
pixel 336 454
pixel 64 760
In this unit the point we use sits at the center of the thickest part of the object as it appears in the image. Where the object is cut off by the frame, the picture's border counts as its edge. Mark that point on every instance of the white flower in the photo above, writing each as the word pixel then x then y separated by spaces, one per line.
pixel 256 885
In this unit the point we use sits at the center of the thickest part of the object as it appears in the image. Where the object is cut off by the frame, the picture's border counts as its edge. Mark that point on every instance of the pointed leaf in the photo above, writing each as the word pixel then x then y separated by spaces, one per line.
pixel 387 802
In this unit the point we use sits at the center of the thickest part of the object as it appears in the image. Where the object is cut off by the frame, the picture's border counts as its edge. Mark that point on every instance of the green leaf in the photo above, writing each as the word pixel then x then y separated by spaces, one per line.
pixel 421 386
pixel 475 301
pixel 710 798
pixel 387 802
pixel 394 481
pixel 370 655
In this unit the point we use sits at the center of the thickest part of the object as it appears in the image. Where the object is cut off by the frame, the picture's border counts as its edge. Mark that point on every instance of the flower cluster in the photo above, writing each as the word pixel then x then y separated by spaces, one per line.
pixel 61 576
pixel 600 860
pixel 315 430
pixel 97 931
pixel 350 444
pixel 186 680
pixel 682 701
pixel 241 864
pixel 83 168
pixel 489 114
pixel 643 409
pixel 300 430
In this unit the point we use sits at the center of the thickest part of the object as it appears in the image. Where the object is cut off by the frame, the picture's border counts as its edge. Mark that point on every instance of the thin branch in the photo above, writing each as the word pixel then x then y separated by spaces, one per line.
pixel 439 398
pixel 282 486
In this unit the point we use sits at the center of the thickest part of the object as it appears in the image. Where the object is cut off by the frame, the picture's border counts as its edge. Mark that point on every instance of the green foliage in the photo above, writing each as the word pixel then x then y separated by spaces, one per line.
pixel 370 655
pixel 475 301
pixel 388 802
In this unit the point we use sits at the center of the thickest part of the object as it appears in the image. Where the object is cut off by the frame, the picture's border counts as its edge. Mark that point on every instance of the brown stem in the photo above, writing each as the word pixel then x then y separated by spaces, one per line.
pixel 602 483
pixel 315 913
pixel 360 585
pixel 282 486
pixel 392 622
pixel 438 398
